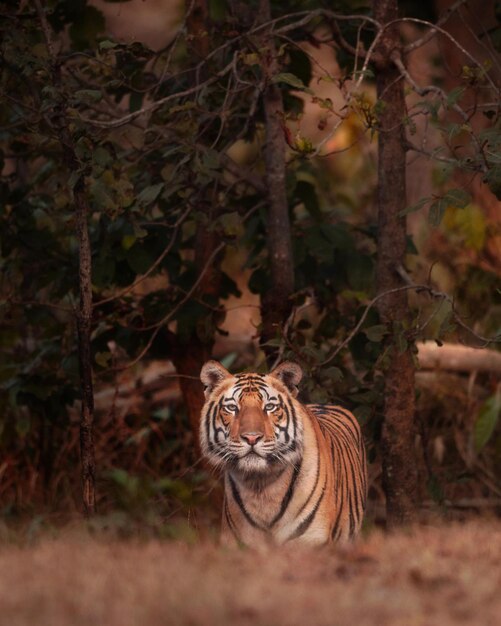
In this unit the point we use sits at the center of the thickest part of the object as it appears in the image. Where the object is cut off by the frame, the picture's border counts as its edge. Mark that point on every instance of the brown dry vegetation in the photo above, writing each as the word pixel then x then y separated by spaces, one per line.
pixel 431 575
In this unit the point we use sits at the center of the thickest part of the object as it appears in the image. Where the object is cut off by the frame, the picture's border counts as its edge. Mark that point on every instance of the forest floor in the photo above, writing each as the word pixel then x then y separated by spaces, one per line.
pixel 427 576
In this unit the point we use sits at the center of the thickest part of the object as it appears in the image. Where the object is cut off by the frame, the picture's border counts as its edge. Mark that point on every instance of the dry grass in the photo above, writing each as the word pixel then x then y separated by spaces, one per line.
pixel 430 576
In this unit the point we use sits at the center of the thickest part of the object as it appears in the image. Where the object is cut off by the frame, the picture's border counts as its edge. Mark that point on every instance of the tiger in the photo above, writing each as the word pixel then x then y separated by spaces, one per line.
pixel 293 472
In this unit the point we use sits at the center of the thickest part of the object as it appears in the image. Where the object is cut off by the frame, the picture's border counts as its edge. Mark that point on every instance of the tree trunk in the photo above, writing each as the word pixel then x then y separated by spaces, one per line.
pixel 276 304
pixel 189 356
pixel 399 465
pixel 61 129
pixel 84 328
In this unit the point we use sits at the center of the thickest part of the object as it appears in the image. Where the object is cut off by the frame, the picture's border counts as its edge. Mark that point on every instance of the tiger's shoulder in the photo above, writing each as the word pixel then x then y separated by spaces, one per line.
pixel 335 420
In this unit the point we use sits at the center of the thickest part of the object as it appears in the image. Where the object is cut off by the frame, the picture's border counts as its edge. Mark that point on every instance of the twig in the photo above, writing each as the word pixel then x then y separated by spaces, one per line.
pixel 436 27
pixel 410 146
pixel 155 105
pixel 285 332
pixel 432 32
pixel 423 91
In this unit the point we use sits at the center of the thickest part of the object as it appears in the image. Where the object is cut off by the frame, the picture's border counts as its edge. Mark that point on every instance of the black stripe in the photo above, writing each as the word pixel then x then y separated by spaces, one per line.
pixel 305 524
pixel 238 499
pixel 231 523
pixel 335 528
pixel 207 425
pixel 217 429
pixel 285 429
pixel 355 489
pixel 246 375
pixel 317 477
pixel 353 512
pixel 288 495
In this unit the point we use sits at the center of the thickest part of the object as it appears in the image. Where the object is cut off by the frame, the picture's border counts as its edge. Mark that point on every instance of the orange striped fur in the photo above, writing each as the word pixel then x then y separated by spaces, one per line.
pixel 292 472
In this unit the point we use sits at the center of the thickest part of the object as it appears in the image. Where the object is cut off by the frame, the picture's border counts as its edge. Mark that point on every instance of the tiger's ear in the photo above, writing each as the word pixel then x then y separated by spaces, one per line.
pixel 211 375
pixel 290 375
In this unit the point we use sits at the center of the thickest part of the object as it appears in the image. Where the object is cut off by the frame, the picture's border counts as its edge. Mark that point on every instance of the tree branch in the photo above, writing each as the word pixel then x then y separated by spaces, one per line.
pixel 418 288
pixel 433 28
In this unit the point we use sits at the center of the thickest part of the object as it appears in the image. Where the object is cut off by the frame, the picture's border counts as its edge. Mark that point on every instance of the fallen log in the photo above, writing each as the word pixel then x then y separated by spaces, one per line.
pixel 458 358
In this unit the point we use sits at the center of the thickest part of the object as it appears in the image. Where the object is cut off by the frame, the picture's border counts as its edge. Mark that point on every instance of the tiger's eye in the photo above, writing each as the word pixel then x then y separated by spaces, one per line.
pixel 269 408
pixel 233 408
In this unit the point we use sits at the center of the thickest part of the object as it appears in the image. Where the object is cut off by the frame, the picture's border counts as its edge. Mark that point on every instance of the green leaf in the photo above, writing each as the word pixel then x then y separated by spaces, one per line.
pixel 140 233
pixel 251 59
pixel 376 333
pixel 458 198
pixel 455 95
pixel 293 81
pixel 103 359
pixel 368 397
pixel 128 241
pixel 414 207
pixel 229 359
pixel 107 44
pixel 487 419
pixel 273 343
pixel 362 413
pixel 101 157
pixel 210 159
pixel 88 95
pixel 367 73
pixel 333 373
pixel 232 224
pixel 150 194
pixel 447 325
pixel 436 212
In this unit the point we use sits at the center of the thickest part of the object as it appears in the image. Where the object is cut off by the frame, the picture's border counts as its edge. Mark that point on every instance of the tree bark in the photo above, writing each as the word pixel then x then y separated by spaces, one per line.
pixel 189 356
pixel 84 328
pixel 84 313
pixel 399 465
pixel 276 304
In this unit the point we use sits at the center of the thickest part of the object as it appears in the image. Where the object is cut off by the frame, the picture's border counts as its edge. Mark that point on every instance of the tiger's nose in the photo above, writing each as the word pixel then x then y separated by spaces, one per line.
pixel 252 438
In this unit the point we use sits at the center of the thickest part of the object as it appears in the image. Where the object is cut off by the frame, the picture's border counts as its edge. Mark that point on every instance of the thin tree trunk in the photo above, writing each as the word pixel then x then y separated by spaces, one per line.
pixel 399 466
pixel 276 304
pixel 189 356
pixel 84 328
pixel 84 312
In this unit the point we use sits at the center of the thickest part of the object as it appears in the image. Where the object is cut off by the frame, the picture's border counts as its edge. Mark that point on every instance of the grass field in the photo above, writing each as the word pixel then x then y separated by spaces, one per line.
pixel 428 576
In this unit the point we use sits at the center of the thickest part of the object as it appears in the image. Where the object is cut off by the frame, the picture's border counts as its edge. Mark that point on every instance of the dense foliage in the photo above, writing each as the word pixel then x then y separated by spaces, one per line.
pixel 169 145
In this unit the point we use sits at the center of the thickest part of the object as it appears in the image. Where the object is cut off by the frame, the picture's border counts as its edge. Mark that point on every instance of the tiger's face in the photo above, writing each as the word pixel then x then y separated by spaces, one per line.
pixel 249 423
